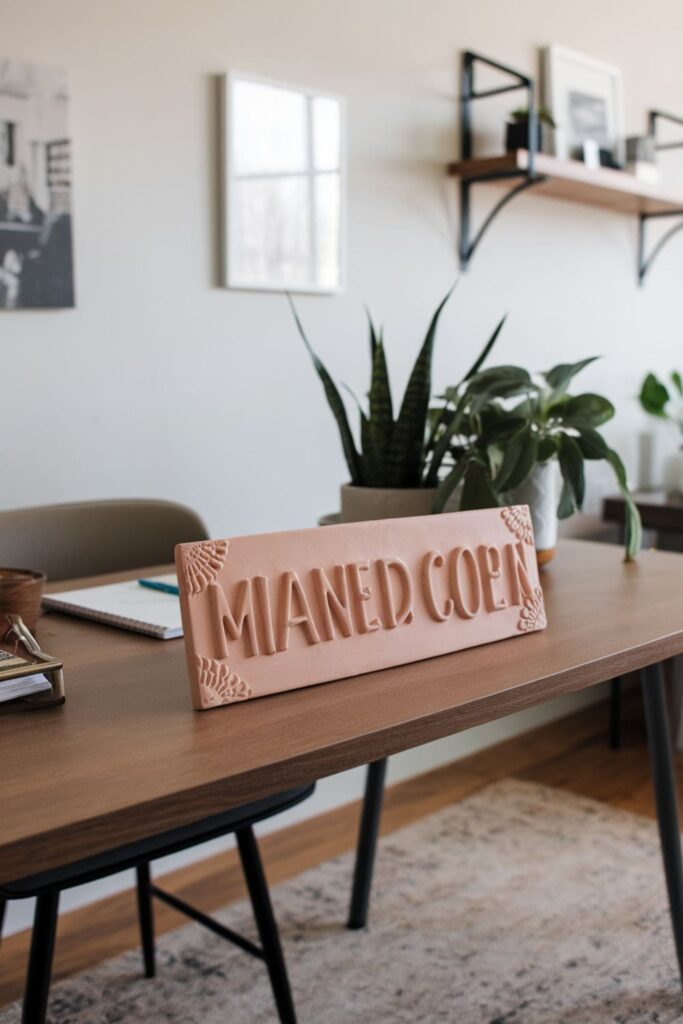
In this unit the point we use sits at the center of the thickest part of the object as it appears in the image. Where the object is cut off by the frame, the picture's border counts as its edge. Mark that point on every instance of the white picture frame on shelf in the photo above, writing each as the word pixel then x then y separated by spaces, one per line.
pixel 585 99
pixel 284 182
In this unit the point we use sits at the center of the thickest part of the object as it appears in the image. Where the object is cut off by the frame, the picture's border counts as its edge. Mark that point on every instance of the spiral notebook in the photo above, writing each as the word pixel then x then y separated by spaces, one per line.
pixel 126 605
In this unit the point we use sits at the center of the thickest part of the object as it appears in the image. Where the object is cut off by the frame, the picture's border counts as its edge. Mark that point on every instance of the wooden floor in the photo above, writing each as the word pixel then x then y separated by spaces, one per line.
pixel 571 753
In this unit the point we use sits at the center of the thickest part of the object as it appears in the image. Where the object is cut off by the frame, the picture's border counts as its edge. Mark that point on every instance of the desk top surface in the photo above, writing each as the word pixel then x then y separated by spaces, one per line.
pixel 127 756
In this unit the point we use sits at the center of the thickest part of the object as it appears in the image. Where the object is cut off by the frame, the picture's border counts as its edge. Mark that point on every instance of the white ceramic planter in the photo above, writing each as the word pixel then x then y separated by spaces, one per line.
pixel 539 492
pixel 361 504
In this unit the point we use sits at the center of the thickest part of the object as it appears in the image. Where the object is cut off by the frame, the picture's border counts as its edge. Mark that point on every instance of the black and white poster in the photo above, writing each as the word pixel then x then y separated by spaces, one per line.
pixel 36 257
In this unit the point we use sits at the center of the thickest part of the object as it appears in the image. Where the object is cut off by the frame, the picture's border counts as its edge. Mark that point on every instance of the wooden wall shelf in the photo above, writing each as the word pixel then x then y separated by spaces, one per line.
pixel 548 175
pixel 572 180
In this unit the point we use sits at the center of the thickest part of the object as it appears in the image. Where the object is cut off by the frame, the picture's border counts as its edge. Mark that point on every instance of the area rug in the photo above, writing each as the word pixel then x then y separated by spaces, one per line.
pixel 520 905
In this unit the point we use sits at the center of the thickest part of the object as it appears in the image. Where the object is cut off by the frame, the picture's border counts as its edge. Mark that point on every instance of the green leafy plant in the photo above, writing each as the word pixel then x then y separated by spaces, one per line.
pixel 522 114
pixel 395 450
pixel 657 400
pixel 496 426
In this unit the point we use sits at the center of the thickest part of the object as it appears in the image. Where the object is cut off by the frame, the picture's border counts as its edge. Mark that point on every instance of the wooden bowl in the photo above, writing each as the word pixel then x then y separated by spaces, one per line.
pixel 21 593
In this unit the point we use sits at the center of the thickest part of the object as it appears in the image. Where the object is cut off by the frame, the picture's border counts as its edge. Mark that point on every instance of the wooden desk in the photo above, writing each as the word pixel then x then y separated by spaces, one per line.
pixel 127 756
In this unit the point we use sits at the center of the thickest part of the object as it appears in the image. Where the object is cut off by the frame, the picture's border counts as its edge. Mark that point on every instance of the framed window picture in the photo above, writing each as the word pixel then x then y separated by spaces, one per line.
pixel 585 98
pixel 285 187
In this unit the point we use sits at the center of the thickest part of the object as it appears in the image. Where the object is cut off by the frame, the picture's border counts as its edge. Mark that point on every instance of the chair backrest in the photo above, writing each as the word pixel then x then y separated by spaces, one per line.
pixel 91 537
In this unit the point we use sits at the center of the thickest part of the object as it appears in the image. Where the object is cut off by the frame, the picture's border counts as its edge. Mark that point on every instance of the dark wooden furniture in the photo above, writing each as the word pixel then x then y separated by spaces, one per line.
pixel 658 510
pixel 127 757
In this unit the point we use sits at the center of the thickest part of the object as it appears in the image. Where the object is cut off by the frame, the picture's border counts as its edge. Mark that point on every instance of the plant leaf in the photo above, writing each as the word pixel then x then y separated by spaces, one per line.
pixel 566 506
pixel 336 404
pixel 677 381
pixel 592 444
pixel 584 410
pixel 451 427
pixel 654 396
pixel 477 491
pixel 502 429
pixel 369 457
pixel 558 378
pixel 547 448
pixel 496 378
pixel 448 485
pixel 484 352
pixel 632 523
pixel 571 467
pixel 381 410
pixel 374 337
pixel 406 452
pixel 518 460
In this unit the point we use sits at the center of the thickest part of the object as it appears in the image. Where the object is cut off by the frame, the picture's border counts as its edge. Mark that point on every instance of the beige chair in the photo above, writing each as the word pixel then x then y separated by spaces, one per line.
pixel 92 537
pixel 85 539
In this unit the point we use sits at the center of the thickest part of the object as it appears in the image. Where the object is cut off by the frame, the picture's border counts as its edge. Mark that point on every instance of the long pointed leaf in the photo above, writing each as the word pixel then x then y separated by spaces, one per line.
pixel 560 375
pixel 443 444
pixel 634 529
pixel 484 352
pixel 518 461
pixel 571 467
pixel 370 458
pixel 567 505
pixel 448 485
pixel 381 409
pixel 408 441
pixel 336 404
pixel 374 338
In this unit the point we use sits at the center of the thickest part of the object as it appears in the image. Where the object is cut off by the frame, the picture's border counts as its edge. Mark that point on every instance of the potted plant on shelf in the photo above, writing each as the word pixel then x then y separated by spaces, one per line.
pixel 666 403
pixel 394 470
pixel 517 129
pixel 502 432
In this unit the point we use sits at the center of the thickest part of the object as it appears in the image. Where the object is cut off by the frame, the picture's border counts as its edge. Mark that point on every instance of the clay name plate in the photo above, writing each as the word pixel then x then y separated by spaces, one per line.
pixel 278 611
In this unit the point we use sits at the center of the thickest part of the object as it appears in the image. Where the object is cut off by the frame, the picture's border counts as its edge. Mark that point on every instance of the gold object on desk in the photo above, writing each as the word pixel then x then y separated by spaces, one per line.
pixel 21 658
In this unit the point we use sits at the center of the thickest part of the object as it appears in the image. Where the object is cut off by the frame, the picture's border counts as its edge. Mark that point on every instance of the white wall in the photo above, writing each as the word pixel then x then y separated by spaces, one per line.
pixel 161 383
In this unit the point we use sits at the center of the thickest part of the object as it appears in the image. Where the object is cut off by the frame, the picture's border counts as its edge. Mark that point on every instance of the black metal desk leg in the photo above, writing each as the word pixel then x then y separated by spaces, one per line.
pixel 664 782
pixel 40 959
pixel 367 844
pixel 265 922
pixel 146 919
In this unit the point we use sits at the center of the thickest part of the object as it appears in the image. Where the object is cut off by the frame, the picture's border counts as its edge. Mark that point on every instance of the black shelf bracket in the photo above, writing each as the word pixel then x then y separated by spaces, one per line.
pixel 645 260
pixel 469 241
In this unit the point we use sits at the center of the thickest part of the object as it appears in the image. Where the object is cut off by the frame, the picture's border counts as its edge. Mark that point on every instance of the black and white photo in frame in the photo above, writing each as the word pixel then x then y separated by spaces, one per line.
pixel 585 99
pixel 36 255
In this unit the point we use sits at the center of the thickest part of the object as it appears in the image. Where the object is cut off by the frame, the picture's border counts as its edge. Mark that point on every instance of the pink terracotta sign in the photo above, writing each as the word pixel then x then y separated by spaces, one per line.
pixel 278 611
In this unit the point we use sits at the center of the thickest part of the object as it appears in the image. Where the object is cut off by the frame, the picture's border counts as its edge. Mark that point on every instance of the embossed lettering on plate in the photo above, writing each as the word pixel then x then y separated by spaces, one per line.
pixel 278 611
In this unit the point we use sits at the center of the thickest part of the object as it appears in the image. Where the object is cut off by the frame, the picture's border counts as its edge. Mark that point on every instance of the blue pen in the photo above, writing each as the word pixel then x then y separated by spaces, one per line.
pixel 165 588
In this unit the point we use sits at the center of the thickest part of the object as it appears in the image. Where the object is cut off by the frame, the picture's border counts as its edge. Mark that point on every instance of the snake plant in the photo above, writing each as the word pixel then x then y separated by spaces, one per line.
pixel 395 450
